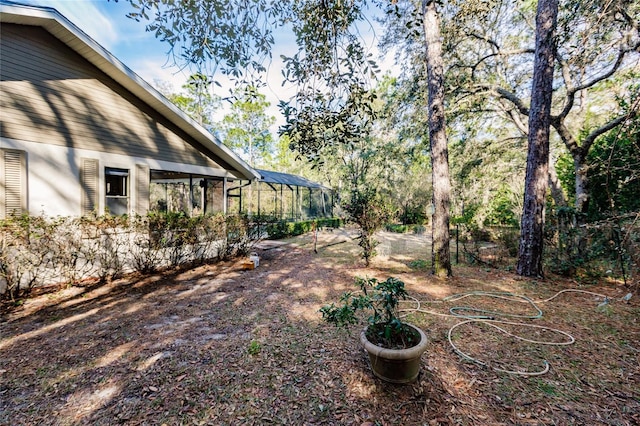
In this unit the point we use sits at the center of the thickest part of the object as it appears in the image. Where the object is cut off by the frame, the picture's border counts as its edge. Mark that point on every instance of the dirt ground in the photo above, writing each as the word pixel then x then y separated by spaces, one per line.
pixel 219 345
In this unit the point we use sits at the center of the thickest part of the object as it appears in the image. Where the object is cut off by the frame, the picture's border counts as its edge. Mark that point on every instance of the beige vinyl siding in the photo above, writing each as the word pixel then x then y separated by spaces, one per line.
pixel 89 185
pixel 52 95
pixel 13 182
pixel 143 178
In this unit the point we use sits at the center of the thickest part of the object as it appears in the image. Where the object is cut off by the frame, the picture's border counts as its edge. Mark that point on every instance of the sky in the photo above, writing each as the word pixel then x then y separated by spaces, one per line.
pixel 106 23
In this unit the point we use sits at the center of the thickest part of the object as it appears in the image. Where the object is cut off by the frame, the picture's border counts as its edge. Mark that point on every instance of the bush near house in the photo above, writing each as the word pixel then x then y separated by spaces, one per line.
pixel 283 229
pixel 39 250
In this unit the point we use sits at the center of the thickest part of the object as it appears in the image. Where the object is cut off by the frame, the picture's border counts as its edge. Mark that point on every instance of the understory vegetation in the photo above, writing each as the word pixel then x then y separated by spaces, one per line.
pixel 593 250
pixel 39 250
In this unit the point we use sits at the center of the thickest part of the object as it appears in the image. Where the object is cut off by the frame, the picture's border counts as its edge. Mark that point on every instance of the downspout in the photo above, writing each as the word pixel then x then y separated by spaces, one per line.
pixel 225 198
pixel 190 195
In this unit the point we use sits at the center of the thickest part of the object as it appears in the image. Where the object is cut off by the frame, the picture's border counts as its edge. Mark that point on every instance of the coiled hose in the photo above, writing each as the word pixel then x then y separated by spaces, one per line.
pixel 471 314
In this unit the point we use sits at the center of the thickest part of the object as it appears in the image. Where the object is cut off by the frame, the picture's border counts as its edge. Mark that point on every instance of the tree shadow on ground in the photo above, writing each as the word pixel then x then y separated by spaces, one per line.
pixel 216 344
pixel 220 345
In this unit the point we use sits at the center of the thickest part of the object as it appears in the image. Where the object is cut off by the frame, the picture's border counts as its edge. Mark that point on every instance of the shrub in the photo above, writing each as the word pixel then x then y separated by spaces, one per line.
pixel 146 253
pixel 109 245
pixel 26 256
pixel 595 249
pixel 380 299
pixel 283 229
pixel 419 229
pixel 398 229
pixel 37 250
pixel 370 212
pixel 241 234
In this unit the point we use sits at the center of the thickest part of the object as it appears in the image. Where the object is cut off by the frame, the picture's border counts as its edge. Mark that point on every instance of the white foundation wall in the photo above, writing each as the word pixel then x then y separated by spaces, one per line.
pixel 53 175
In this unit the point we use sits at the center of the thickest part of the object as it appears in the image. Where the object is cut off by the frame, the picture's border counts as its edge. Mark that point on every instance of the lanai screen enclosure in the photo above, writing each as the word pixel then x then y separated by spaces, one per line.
pixel 282 196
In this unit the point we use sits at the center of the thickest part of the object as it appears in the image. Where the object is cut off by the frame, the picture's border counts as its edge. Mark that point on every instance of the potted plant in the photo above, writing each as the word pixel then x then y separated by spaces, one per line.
pixel 394 347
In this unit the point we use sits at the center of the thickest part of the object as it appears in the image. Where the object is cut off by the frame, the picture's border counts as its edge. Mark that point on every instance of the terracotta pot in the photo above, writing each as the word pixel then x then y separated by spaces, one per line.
pixel 395 365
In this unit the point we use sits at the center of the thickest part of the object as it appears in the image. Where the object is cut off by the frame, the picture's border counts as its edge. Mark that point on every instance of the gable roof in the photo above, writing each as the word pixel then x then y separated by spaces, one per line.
pixel 64 30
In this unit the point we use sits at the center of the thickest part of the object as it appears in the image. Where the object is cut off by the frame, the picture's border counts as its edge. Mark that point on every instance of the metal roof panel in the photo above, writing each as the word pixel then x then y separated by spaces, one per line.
pixel 287 179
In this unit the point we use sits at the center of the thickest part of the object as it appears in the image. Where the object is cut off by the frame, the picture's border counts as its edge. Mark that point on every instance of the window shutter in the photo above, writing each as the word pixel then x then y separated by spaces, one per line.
pixel 89 185
pixel 142 189
pixel 13 182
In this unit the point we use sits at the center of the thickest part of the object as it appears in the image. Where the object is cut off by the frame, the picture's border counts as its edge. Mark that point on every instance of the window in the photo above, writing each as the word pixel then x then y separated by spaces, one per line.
pixel 117 190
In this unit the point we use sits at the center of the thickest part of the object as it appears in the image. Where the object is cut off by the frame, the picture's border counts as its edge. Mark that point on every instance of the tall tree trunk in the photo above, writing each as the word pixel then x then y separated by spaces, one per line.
pixel 532 226
pixel 557 192
pixel 440 255
pixel 582 186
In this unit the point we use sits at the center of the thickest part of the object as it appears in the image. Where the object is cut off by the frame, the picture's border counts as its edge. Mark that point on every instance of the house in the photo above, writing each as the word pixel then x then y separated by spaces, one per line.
pixel 81 133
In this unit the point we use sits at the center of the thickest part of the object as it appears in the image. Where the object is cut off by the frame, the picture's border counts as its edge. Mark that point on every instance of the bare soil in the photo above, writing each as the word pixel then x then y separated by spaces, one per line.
pixel 219 345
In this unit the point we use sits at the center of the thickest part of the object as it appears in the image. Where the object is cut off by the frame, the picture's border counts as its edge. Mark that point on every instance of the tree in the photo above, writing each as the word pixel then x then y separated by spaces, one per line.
pixel 440 256
pixel 369 210
pixel 595 46
pixel 231 36
pixel 246 127
pixel 334 103
pixel 592 56
pixel 532 224
pixel 420 28
pixel 197 101
pixel 614 174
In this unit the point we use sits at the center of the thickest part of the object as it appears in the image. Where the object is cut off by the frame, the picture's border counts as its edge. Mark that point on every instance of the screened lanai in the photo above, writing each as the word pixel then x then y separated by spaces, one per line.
pixel 281 195
pixel 191 194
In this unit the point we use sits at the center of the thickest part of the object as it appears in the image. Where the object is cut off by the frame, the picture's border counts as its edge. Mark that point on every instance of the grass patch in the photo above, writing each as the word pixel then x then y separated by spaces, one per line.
pixel 419 264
